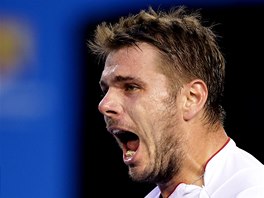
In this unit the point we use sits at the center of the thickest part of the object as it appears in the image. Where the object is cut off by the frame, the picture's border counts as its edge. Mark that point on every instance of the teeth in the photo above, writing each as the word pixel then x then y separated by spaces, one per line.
pixel 130 153
pixel 115 131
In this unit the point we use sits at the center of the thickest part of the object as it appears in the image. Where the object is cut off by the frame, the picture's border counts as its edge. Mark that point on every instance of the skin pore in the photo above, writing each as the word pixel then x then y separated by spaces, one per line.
pixel 174 145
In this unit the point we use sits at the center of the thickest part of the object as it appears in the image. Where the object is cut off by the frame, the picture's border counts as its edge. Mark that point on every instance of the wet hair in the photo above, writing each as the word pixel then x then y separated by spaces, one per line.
pixel 188 49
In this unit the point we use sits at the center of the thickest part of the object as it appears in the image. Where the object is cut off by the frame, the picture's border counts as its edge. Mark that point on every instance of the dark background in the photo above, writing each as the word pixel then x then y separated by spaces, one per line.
pixel 241 40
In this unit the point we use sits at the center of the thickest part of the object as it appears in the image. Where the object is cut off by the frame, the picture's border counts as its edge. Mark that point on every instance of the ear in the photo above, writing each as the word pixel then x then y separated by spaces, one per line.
pixel 195 94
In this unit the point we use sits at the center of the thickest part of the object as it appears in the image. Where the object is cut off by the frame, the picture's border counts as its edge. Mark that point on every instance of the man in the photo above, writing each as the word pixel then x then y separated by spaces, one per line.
pixel 163 84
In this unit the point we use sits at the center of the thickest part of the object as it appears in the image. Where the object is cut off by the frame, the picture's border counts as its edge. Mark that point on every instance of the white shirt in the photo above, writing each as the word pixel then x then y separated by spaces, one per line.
pixel 230 173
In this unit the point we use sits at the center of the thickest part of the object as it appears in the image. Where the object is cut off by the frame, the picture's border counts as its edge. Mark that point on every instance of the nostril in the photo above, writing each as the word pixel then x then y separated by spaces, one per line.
pixel 111 112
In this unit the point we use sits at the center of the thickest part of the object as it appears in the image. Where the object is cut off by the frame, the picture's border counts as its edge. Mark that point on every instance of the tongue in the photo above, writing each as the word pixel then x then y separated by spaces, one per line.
pixel 132 145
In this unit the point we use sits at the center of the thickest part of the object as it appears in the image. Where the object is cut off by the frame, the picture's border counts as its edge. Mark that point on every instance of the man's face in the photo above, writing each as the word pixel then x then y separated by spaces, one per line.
pixel 141 114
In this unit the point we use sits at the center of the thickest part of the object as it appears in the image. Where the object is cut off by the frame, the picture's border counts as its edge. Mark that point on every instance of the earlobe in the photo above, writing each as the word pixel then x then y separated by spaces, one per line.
pixel 195 97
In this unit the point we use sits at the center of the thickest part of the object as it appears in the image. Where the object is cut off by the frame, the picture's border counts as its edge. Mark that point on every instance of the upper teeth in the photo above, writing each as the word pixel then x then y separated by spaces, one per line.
pixel 115 131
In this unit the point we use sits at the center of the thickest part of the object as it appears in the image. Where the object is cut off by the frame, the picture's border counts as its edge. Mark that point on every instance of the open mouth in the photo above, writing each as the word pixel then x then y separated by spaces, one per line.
pixel 129 142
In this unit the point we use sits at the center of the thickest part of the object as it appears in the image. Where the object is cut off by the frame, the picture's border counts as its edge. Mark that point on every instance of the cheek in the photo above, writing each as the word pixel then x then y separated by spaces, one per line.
pixel 150 113
pixel 161 107
pixel 150 110
pixel 145 110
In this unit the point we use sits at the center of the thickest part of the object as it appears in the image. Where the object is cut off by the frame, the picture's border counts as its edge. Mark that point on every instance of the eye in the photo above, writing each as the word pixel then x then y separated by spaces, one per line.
pixel 131 87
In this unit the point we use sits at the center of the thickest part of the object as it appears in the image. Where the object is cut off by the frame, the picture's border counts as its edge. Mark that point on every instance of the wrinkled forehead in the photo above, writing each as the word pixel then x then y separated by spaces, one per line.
pixel 133 59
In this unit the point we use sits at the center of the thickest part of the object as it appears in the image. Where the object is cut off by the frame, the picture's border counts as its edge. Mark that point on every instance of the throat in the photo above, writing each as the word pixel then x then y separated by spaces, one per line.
pixel 132 145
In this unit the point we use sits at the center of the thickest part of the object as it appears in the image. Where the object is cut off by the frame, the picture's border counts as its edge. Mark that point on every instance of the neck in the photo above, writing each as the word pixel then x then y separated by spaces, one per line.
pixel 195 161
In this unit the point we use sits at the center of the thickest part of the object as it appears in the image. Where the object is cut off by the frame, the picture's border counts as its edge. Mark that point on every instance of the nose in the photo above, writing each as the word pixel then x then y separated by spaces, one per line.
pixel 110 105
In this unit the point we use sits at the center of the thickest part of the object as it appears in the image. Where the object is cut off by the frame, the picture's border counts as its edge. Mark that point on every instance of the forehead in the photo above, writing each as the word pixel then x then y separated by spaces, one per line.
pixel 139 61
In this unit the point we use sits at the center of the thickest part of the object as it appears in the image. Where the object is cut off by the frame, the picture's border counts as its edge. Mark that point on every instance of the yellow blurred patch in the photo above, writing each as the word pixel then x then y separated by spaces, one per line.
pixel 15 45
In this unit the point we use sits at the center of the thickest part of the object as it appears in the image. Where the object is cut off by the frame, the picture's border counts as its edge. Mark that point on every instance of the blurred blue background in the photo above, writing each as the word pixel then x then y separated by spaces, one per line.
pixel 52 138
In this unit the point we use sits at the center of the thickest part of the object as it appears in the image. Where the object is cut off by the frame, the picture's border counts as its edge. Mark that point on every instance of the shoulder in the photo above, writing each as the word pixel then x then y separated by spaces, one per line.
pixel 242 167
pixel 241 159
pixel 234 172
pixel 255 191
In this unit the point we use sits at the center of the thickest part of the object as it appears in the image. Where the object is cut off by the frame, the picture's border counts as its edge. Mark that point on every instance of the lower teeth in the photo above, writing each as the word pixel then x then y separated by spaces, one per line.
pixel 130 153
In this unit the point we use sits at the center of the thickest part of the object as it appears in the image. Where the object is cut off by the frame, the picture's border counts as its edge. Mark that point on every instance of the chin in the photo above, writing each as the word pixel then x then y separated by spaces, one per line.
pixel 138 175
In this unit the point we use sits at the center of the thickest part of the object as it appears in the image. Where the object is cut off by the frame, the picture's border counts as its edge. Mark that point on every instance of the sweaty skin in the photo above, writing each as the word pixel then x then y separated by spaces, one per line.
pixel 172 145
